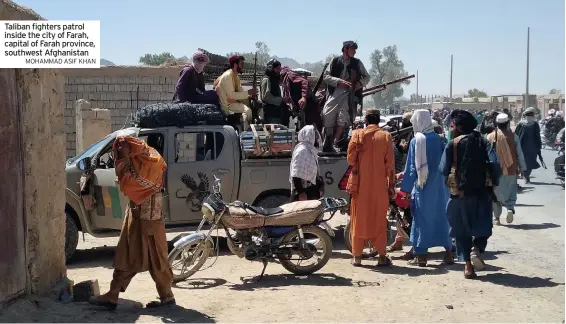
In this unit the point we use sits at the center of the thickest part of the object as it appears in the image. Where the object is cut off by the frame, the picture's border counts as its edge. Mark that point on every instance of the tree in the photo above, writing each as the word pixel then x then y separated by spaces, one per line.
pixel 475 93
pixel 156 59
pixel 555 91
pixel 386 66
pixel 263 55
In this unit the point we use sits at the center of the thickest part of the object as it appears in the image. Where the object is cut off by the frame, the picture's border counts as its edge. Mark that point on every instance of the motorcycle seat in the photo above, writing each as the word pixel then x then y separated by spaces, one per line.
pixel 265 211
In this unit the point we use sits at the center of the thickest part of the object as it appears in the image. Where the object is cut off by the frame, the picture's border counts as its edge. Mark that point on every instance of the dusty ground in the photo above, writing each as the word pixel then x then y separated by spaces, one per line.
pixel 524 282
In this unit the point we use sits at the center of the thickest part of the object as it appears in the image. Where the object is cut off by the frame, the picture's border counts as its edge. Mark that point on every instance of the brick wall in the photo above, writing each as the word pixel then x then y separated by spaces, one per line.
pixel 119 89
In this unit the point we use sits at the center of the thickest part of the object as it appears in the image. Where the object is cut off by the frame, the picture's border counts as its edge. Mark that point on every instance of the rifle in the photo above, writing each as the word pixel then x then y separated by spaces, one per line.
pixel 381 87
pixel 254 103
pixel 320 78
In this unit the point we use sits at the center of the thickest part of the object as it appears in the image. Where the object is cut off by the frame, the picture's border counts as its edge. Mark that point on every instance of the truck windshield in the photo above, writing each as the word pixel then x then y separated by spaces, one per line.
pixel 102 143
pixel 92 149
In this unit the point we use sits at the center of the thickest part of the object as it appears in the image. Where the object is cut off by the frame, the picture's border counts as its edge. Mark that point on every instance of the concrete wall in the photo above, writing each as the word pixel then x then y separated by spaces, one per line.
pixel 40 101
pixel 118 89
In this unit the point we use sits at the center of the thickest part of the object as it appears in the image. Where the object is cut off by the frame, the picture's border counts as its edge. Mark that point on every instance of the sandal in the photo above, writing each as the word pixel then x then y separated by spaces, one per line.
pixel 161 303
pixel 420 261
pixel 98 301
pixel 470 275
pixel 388 262
pixel 408 256
pixel 394 247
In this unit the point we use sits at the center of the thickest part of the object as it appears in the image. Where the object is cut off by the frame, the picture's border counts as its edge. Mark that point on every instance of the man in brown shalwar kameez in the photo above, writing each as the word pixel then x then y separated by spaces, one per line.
pixel 143 244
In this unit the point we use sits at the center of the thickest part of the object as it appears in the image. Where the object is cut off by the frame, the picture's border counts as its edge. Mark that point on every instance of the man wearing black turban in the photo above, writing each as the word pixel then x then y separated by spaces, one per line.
pixel 465 166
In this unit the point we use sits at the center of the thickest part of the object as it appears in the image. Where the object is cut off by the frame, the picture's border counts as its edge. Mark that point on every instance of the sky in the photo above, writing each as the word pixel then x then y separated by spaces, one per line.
pixel 487 38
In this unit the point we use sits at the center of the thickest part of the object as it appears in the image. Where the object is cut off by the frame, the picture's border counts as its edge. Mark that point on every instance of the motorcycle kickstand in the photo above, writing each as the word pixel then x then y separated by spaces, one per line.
pixel 264 261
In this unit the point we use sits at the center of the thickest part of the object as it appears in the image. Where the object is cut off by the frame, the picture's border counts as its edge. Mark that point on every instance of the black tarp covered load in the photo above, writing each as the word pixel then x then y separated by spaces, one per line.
pixel 178 114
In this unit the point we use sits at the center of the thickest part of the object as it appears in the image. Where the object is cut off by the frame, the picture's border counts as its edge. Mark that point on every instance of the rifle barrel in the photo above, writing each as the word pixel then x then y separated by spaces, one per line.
pixel 384 85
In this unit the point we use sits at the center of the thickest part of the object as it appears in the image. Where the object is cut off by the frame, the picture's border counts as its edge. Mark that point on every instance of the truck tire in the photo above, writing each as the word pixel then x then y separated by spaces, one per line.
pixel 273 201
pixel 71 236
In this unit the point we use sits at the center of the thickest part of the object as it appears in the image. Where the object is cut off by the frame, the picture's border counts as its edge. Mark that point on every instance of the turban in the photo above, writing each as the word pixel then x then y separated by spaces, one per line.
pixel 351 44
pixel 501 118
pixel 464 120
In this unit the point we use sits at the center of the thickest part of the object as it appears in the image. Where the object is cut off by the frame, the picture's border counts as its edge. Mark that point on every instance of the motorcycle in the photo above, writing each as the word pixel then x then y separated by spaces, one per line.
pixel 263 234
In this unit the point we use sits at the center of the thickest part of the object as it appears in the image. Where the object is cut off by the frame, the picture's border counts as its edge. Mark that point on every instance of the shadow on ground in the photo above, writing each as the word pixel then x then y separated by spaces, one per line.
pixel 517 281
pixel 532 226
pixel 540 183
pixel 274 282
pixel 128 311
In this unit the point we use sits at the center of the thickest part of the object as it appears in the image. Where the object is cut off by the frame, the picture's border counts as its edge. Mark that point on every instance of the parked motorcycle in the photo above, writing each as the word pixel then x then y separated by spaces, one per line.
pixel 295 231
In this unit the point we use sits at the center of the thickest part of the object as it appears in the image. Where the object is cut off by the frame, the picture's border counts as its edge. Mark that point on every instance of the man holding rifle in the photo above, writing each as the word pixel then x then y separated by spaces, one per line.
pixel 347 76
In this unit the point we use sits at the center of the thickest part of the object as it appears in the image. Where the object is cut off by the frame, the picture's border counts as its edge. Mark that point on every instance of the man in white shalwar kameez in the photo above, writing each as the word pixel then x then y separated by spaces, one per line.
pixel 343 94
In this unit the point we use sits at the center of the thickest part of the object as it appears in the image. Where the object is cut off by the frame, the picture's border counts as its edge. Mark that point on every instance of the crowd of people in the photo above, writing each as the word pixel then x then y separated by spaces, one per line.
pixel 458 181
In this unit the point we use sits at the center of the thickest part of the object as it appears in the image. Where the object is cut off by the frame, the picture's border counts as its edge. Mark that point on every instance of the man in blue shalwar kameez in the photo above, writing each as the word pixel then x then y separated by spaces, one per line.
pixel 429 194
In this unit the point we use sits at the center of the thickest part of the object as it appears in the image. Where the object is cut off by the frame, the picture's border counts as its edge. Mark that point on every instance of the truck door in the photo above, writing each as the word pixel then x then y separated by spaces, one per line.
pixel 110 202
pixel 110 206
pixel 195 156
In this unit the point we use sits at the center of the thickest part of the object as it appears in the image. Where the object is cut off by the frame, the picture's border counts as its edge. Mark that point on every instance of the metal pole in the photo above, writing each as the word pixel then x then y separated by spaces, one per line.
pixel 527 81
pixel 451 72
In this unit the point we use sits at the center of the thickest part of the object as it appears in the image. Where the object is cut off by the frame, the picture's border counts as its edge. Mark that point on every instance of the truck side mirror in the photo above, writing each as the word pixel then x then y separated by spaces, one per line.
pixel 84 164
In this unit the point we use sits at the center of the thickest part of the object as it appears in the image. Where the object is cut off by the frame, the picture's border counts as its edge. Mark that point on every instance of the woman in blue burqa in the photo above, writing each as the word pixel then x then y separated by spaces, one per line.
pixel 528 131
pixel 469 209
pixel 429 195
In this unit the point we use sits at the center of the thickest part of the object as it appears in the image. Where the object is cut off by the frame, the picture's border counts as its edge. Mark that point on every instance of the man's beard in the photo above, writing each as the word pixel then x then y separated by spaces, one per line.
pixel 239 69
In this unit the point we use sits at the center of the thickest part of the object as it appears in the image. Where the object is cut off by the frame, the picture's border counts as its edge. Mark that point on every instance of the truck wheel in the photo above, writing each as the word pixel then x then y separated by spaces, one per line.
pixel 273 201
pixel 71 237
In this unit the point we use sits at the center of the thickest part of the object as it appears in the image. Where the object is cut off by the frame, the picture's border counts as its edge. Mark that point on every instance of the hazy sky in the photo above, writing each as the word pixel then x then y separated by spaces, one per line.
pixel 487 38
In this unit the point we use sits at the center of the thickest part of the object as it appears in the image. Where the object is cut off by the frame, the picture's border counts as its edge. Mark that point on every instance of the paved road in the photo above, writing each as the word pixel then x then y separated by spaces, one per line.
pixel 523 282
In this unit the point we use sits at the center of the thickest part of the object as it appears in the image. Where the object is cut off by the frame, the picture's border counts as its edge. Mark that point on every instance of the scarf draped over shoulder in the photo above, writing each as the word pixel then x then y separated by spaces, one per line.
pixel 304 162
pixel 422 123
pixel 140 174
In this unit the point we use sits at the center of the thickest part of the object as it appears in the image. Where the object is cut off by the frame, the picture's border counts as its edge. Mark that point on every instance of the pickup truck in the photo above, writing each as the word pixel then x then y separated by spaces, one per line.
pixel 192 154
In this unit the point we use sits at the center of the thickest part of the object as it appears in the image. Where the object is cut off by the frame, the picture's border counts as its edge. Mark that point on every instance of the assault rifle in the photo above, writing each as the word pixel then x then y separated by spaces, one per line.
pixel 383 86
pixel 255 105
pixel 320 78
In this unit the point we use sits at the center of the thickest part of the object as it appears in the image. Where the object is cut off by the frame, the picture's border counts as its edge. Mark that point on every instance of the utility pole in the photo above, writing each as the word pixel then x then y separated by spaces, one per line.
pixel 527 104
pixel 451 73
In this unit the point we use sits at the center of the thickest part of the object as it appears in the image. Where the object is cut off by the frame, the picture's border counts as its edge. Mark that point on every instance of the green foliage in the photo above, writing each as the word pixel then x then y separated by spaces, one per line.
pixel 555 91
pixel 386 66
pixel 262 54
pixel 475 93
pixel 156 59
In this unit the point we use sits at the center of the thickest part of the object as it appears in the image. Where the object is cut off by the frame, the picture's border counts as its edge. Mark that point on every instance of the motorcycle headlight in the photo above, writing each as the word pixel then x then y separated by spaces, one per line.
pixel 207 212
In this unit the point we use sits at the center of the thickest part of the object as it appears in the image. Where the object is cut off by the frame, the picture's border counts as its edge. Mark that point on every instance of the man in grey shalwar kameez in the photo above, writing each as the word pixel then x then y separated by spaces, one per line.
pixel 510 154
pixel 344 93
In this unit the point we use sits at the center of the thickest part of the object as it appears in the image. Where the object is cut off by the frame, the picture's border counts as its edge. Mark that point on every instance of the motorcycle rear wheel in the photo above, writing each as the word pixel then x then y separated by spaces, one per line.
pixel 324 241
pixel 192 257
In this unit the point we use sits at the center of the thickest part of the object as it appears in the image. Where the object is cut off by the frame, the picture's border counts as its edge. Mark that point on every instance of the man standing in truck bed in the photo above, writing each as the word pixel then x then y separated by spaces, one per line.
pixel 347 76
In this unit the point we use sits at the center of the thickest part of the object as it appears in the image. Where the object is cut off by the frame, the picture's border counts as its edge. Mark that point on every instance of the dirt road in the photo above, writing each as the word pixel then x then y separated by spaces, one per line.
pixel 523 282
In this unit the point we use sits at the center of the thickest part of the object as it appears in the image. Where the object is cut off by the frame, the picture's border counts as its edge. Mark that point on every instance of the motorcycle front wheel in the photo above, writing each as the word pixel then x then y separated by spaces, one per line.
pixel 319 245
pixel 187 260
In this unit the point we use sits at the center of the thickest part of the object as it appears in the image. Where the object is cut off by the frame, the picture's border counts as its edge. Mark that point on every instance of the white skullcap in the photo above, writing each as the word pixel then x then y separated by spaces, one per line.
pixel 501 118
pixel 559 113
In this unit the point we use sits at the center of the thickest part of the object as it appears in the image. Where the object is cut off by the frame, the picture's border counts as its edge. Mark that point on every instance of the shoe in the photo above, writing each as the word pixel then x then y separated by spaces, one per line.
pixel 477 262
pixel 509 216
